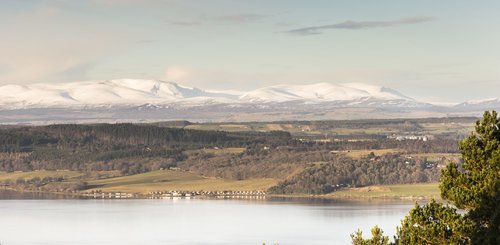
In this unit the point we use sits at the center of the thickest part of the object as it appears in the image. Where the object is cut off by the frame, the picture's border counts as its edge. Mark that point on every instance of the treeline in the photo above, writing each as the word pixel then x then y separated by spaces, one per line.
pixel 346 172
pixel 279 163
pixel 115 136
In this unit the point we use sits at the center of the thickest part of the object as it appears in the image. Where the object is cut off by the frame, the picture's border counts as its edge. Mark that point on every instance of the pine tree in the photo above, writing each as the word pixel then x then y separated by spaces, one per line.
pixel 473 186
pixel 378 237
pixel 434 223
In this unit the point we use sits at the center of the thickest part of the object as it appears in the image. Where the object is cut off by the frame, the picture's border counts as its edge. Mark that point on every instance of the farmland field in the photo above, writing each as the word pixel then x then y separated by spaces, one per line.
pixel 164 180
pixel 428 190
pixel 13 176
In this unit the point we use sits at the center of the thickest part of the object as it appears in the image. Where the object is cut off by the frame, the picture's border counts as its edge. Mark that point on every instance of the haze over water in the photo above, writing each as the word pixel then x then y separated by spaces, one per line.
pixel 192 221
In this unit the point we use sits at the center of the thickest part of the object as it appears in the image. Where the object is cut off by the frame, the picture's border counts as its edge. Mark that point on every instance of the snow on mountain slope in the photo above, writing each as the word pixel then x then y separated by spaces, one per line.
pixel 486 104
pixel 322 92
pixel 478 102
pixel 126 92
pixel 102 92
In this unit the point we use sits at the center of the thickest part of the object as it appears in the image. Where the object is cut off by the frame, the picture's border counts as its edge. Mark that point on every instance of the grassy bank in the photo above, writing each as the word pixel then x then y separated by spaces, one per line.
pixel 407 191
pixel 164 180
pixel 13 176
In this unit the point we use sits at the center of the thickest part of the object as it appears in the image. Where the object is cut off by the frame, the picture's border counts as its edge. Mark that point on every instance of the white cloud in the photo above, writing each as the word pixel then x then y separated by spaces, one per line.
pixel 176 73
pixel 48 43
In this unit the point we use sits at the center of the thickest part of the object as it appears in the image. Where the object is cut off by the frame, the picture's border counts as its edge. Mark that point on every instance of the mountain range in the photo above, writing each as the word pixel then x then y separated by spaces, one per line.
pixel 122 99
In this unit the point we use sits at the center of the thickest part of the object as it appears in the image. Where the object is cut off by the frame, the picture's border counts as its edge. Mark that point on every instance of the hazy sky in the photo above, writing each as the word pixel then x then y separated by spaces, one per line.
pixel 446 50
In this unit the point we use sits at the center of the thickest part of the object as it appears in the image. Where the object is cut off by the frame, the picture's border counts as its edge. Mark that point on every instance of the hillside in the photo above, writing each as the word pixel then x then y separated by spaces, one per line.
pixel 127 92
pixel 307 157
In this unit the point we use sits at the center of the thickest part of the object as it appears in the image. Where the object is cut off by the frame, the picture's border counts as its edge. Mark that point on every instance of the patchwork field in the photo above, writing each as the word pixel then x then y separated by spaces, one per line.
pixel 452 126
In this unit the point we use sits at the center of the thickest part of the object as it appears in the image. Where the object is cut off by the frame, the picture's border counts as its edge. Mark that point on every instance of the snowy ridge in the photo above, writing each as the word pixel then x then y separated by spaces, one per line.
pixel 322 92
pixel 133 100
pixel 489 104
pixel 101 92
pixel 478 102
pixel 133 92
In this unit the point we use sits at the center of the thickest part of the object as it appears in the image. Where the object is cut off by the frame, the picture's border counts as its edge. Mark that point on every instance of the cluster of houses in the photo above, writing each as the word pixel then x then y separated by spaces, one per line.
pixel 98 194
pixel 411 137
pixel 329 140
pixel 189 194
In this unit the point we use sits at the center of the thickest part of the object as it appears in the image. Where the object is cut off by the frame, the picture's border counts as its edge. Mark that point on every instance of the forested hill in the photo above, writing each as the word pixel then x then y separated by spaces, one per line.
pixel 309 158
pixel 116 136
pixel 64 146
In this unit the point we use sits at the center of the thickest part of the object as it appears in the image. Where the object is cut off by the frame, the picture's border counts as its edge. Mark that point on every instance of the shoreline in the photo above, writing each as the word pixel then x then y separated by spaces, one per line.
pixel 353 197
pixel 136 196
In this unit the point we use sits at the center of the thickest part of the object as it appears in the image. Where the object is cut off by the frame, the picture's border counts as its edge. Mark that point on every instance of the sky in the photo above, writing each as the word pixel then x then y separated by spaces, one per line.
pixel 437 51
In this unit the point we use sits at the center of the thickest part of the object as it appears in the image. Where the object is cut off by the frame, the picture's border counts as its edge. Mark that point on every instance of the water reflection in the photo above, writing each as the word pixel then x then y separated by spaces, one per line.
pixel 193 221
pixel 18 195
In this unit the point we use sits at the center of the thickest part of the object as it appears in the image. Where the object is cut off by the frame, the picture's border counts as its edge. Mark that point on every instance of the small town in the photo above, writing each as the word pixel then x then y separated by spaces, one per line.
pixel 98 194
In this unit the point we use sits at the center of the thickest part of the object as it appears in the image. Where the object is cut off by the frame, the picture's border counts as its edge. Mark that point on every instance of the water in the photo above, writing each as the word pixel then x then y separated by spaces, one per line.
pixel 191 221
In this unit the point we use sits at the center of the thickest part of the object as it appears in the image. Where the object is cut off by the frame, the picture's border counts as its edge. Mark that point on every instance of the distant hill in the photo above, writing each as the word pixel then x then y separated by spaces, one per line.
pixel 133 100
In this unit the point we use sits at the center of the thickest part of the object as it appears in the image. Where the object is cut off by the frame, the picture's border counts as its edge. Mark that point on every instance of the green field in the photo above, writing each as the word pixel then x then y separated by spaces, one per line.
pixel 221 127
pixel 437 156
pixel 356 154
pixel 165 180
pixel 439 128
pixel 425 191
pixel 13 176
pixel 222 151
pixel 219 151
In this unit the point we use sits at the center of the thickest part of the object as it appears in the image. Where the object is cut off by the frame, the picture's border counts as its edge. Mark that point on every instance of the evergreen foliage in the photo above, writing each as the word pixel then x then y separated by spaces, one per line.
pixel 473 186
pixel 96 147
pixel 346 172
pixel 378 237
pixel 434 223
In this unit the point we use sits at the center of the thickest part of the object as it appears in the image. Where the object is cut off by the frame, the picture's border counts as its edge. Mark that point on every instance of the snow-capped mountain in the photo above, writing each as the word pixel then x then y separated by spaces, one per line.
pixel 138 92
pixel 345 95
pixel 153 100
pixel 104 92
pixel 321 92
pixel 488 104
